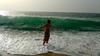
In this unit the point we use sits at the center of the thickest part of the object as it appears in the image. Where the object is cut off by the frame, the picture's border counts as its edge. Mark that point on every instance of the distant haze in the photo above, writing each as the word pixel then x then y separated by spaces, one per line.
pixel 90 6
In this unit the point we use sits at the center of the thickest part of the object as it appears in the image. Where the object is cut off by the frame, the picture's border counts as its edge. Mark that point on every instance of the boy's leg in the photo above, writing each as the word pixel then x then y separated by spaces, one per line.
pixel 43 42
pixel 47 40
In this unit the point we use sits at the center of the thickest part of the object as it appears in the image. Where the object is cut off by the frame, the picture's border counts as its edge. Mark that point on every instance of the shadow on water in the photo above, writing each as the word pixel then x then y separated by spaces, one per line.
pixel 37 39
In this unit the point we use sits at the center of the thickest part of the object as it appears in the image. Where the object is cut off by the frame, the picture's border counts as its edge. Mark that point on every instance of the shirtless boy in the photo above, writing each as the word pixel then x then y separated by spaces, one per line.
pixel 46 27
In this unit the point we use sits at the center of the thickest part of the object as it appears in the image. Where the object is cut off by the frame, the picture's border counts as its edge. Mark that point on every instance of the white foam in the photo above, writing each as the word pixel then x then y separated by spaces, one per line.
pixel 41 49
pixel 30 43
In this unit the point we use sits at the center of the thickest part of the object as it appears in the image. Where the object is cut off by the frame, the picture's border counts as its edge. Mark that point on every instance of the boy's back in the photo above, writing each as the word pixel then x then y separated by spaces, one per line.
pixel 47 28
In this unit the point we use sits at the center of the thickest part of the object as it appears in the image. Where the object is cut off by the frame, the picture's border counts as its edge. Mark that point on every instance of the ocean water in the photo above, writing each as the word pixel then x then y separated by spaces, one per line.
pixel 78 34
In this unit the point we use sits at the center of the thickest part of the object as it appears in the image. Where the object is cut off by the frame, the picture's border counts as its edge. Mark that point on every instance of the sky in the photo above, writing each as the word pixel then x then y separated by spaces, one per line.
pixel 91 6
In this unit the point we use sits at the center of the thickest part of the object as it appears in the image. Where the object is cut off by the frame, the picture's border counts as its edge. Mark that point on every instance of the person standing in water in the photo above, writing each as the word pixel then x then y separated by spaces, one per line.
pixel 47 27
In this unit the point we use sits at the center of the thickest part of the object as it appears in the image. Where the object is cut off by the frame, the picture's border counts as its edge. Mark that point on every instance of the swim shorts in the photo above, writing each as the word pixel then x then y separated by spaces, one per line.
pixel 47 35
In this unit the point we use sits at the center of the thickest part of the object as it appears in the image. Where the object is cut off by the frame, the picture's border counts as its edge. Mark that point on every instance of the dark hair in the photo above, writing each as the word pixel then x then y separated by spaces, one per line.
pixel 48 21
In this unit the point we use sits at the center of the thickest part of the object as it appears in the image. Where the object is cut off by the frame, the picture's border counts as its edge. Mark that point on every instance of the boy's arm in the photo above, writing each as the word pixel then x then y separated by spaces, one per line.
pixel 41 27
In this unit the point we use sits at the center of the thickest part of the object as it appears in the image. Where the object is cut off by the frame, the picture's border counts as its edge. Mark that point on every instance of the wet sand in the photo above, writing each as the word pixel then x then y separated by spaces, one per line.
pixel 3 53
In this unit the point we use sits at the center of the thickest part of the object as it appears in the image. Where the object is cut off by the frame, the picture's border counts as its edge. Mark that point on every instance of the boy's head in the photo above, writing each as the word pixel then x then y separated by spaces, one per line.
pixel 48 21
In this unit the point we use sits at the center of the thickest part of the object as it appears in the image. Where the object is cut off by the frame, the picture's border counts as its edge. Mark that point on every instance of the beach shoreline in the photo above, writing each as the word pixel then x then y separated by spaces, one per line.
pixel 4 53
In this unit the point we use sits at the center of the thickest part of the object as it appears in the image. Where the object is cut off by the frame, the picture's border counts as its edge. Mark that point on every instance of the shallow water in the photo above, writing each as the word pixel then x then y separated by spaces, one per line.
pixel 74 43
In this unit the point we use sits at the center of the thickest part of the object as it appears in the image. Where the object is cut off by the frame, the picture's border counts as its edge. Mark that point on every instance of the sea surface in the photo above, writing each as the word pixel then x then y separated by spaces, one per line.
pixel 77 34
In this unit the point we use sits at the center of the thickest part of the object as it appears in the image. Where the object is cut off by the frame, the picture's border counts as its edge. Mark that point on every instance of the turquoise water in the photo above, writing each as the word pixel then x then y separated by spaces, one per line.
pixel 31 23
